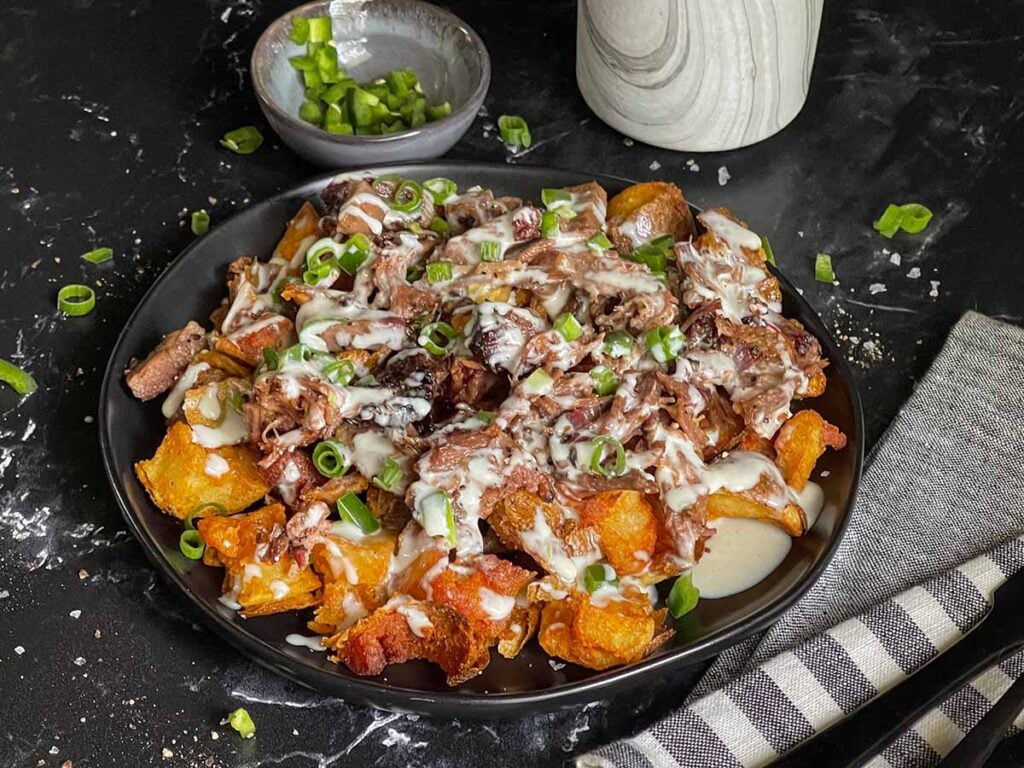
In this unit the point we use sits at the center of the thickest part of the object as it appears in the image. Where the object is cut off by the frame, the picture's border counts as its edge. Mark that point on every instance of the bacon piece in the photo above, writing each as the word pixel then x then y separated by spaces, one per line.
pixel 157 373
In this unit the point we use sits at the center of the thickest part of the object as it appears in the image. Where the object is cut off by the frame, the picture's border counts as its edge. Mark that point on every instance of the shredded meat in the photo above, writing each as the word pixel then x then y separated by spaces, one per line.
pixel 157 373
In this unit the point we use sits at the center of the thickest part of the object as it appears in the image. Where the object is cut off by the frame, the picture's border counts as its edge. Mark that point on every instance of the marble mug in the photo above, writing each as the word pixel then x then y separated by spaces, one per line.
pixel 696 75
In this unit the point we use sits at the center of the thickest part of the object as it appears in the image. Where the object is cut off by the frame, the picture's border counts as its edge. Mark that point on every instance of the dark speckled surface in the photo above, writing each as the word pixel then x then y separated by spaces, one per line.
pixel 109 116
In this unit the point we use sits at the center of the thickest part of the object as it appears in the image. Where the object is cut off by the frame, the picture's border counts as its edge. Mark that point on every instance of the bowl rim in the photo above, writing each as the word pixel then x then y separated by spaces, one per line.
pixel 473 101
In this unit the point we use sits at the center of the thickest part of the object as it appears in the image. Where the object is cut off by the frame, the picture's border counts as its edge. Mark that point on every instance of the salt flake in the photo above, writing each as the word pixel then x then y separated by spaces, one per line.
pixel 914 273
pixel 876 288
pixel 723 176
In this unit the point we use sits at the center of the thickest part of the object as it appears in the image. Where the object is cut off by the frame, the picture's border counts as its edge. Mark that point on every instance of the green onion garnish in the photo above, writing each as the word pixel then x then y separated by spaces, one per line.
pixel 769 254
pixel 299 33
pixel 599 243
pixel 390 475
pixel 539 382
pixel 330 458
pixel 654 257
pixel 191 544
pixel 597 458
pixel 241 722
pixel 618 344
pixel 437 516
pixel 320 29
pixel 21 381
pixel 271 358
pixel 439 225
pixel 352 509
pixel 441 188
pixel 76 300
pixel 236 401
pixel 413 273
pixel 311 112
pixel 200 222
pixel 244 140
pixel 549 225
pixel 490 250
pixel 407 197
pixel 665 343
pixel 438 338
pixel 683 597
pixel 605 382
pixel 439 271
pixel 550 196
pixel 910 217
pixel 664 241
pixel 203 510
pixel 356 250
pixel 98 255
pixel 317 274
pixel 514 131
pixel 823 272
pixel 568 326
pixel 339 372
pixel 487 417
pixel 438 111
pixel 597 575
pixel 305 64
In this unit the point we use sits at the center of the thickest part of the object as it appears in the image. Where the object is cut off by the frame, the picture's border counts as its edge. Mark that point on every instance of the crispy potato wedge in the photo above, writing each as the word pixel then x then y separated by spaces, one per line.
pixel 222 362
pixel 526 522
pixel 627 528
pixel 479 293
pixel 176 477
pixel 304 224
pixel 247 343
pixel 205 405
pixel 801 442
pixel 645 211
pixel 354 575
pixel 790 518
pixel 483 589
pixel 521 627
pixel 815 386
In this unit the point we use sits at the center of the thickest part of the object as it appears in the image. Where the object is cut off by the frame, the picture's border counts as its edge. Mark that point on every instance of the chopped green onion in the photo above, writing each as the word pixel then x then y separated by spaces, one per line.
pixel 236 401
pixel 437 516
pixel 539 382
pixel 390 475
pixel 605 382
pixel 315 253
pixel 320 29
pixel 438 338
pixel 317 274
pixel 888 223
pixel 413 273
pixel 201 511
pixel 355 251
pixel 664 241
pixel 191 544
pixel 618 344
pixel 654 257
pixel 599 243
pixel 311 112
pixel 568 326
pixel 439 225
pixel 99 255
pixel 823 271
pixel 441 188
pixel 550 196
pixel 352 509
pixel 439 271
pixel 299 33
pixel 665 343
pixel 241 722
pixel 490 250
pixel 769 254
pixel 915 217
pixel 271 358
pixel 21 381
pixel 330 458
pixel 339 372
pixel 684 596
pixel 597 575
pixel 487 417
pixel 514 131
pixel 244 140
pixel 597 458
pixel 302 63
pixel 76 300
pixel 407 197
pixel 200 222
pixel 549 225
pixel 438 112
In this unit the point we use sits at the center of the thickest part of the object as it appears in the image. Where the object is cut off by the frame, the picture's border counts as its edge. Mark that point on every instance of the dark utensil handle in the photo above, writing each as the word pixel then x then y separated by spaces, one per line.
pixel 981 742
pixel 855 740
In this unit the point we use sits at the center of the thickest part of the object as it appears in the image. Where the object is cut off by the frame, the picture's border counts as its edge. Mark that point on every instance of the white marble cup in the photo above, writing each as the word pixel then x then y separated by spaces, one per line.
pixel 696 75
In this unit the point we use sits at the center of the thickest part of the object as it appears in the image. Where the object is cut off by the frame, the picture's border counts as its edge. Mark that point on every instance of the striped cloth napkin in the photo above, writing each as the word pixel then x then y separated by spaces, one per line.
pixel 936 530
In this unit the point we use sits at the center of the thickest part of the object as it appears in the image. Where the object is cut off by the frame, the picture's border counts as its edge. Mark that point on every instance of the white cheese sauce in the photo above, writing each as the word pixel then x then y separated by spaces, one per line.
pixel 314 643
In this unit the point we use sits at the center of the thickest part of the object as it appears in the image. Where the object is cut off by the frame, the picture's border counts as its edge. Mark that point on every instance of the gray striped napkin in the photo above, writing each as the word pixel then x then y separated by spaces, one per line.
pixel 941 507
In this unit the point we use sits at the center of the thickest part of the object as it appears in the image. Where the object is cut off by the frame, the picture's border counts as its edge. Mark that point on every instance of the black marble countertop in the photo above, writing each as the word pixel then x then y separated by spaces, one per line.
pixel 109 118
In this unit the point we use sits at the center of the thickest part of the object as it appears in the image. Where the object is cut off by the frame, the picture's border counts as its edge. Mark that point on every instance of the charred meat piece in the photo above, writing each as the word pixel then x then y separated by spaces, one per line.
pixel 160 370
pixel 477 206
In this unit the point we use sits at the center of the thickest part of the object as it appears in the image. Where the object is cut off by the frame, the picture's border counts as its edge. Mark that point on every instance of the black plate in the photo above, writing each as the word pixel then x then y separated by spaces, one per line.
pixel 129 431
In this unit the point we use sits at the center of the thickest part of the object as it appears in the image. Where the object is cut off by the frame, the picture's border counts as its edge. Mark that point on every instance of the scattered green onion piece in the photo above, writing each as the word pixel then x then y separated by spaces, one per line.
pixel 605 382
pixel 356 251
pixel 241 722
pixel 597 575
pixel 352 509
pixel 487 417
pixel 316 252
pixel 438 112
pixel 302 63
pixel 296 353
pixel 21 381
pixel 664 241
pixel 439 271
pixel 437 516
pixel 550 196
pixel 200 222
pixel 201 511
pixel 915 217
pixel 327 64
pixel 439 225
pixel 539 382
pixel 299 33
pixel 191 544
pixel 654 257
pixel 888 223
pixel 98 255
pixel 339 372
pixel 414 273
pixel 330 458
pixel 665 343
pixel 597 457
pixel 549 225
pixel 390 475
pixel 271 358
pixel 514 131
pixel 823 271
pixel 438 338
pixel 618 344
pixel 769 254
pixel 311 112
pixel 316 275
pixel 684 596
pixel 408 197
pixel 320 29
pixel 244 140
pixel 599 243
pixel 568 326
pixel 236 401
pixel 490 250
pixel 440 188
pixel 76 300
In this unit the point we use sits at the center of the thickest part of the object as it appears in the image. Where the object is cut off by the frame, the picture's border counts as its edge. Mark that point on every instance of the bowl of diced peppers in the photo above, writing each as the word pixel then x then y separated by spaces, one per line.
pixel 356 83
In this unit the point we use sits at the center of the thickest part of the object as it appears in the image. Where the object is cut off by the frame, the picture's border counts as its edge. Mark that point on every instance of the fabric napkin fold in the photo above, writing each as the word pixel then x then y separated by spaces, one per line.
pixel 936 529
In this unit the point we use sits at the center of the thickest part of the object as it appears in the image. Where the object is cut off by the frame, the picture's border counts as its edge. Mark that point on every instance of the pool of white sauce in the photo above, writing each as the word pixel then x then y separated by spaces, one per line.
pixel 743 552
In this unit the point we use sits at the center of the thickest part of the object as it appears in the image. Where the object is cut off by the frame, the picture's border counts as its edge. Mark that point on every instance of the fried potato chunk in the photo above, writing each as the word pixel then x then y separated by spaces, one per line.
pixel 247 343
pixel 789 518
pixel 354 575
pixel 644 211
pixel 222 362
pixel 526 522
pixel 627 528
pixel 801 442
pixel 178 477
pixel 304 224
pixel 601 634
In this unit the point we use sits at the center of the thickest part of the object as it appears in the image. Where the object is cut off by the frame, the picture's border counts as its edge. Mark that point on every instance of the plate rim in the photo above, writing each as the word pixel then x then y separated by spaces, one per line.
pixel 470 705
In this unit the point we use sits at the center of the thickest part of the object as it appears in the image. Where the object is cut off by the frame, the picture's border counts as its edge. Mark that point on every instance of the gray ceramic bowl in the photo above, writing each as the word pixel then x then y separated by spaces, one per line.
pixel 374 37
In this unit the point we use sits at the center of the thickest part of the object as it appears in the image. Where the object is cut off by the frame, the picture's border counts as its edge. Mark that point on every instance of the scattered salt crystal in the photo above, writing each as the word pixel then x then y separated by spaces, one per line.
pixel 295 732
pixel 4 594
pixel 54 750
pixel 75 614
pixel 800 233
pixel 556 665
pixel 723 176
pixel 825 473
pixel 876 288
pixel 80 662
pixel 627 141
pixel 166 753
pixel 97 634
pixel 935 288
pixel 211 200
pixel 655 165
pixel 395 737
pixel 895 259
pixel 690 161
pixel 914 273
pixel 19 649
pixel 88 419
pixel 695 168
pixel 83 574
pixel 214 735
